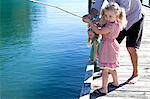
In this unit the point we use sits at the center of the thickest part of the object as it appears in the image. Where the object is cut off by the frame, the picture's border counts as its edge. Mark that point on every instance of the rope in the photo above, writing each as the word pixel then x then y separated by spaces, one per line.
pixel 55 7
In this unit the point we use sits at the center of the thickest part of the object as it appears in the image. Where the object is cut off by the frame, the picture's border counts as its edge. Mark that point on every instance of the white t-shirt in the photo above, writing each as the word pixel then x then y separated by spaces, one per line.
pixel 133 9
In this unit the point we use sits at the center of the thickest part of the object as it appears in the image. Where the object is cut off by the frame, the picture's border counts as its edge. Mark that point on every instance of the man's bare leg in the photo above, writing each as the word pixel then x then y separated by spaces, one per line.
pixel 134 59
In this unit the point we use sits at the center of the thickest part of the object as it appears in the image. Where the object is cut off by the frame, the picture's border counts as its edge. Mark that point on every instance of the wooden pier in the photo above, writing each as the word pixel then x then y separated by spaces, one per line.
pixel 139 90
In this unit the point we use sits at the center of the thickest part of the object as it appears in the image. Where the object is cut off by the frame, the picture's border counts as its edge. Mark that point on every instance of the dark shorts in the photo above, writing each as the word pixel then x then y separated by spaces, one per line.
pixel 133 34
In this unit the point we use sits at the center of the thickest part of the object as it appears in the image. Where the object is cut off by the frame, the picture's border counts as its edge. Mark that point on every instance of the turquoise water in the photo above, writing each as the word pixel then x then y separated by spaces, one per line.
pixel 43 51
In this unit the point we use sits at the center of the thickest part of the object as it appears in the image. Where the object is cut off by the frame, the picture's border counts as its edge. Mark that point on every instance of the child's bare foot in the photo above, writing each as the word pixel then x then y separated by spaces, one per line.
pixel 103 91
pixel 90 62
pixel 133 79
pixel 114 84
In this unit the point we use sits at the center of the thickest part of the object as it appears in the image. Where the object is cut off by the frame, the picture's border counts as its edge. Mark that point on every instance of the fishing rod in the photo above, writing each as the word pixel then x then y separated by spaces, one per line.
pixel 55 7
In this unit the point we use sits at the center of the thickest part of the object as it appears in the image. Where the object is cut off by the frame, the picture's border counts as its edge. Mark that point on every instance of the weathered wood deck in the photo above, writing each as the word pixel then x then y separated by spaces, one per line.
pixel 139 90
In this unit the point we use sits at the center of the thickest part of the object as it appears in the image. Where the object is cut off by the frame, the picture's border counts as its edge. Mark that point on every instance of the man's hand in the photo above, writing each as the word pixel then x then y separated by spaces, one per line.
pixel 85 17
pixel 88 16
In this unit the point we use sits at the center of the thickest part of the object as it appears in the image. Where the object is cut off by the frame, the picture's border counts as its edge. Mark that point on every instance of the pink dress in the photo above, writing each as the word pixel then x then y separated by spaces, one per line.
pixel 108 56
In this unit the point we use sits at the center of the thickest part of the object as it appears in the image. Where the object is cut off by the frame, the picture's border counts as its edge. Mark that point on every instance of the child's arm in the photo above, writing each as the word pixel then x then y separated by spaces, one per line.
pixel 103 30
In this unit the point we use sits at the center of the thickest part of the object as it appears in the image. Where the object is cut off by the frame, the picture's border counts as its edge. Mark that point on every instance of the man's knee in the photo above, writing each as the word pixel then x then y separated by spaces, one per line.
pixel 131 50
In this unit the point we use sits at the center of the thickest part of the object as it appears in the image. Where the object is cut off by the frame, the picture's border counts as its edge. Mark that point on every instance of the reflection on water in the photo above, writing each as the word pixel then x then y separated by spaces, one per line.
pixel 15 29
pixel 40 56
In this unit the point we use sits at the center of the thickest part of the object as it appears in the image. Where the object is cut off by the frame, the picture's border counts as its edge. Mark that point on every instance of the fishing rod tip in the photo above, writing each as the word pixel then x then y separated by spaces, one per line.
pixel 33 0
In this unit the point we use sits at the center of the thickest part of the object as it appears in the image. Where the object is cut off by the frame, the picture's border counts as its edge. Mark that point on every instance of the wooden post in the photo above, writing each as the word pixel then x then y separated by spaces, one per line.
pixel 89 5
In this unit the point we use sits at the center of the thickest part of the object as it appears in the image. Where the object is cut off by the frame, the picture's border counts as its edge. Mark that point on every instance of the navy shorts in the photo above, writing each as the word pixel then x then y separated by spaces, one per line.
pixel 133 34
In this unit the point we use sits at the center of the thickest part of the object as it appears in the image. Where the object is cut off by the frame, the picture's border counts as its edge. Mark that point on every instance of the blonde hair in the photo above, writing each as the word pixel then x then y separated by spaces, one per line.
pixel 119 11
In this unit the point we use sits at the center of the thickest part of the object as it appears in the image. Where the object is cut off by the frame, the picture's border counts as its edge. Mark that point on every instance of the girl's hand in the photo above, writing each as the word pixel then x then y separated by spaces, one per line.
pixel 95 21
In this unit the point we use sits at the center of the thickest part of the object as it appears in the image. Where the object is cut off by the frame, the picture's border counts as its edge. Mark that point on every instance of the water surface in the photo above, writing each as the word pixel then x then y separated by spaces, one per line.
pixel 43 50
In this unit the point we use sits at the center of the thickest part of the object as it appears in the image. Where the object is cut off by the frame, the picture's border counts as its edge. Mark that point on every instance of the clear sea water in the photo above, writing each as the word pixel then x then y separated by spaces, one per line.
pixel 43 51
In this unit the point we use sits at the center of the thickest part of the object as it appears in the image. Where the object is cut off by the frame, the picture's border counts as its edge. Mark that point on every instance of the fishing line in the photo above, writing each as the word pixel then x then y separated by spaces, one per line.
pixel 56 8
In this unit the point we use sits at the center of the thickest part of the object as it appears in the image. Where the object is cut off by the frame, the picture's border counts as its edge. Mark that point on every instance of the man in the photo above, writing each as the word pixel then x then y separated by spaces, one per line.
pixel 132 32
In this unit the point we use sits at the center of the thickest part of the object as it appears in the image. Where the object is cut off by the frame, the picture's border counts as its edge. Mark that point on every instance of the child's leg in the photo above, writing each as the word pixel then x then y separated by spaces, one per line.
pixel 95 43
pixel 90 36
pixel 104 81
pixel 94 49
pixel 115 77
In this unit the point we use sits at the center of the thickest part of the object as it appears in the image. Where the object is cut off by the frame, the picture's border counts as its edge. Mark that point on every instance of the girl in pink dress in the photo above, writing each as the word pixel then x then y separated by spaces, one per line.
pixel 108 56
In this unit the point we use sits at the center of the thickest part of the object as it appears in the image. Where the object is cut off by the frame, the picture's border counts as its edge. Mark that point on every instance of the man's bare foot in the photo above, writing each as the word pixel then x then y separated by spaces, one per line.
pixel 133 79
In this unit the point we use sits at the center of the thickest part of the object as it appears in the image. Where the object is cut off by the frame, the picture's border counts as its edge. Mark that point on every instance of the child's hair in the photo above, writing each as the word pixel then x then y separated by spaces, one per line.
pixel 120 12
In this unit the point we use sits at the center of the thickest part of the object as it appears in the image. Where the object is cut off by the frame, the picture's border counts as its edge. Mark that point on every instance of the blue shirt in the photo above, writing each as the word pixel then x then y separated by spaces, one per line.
pixel 133 9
